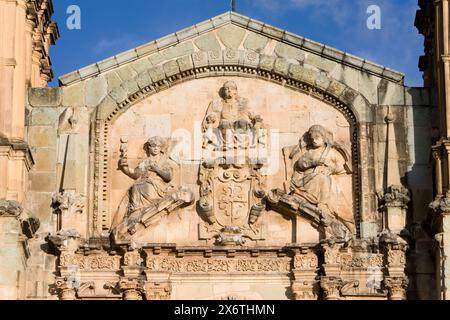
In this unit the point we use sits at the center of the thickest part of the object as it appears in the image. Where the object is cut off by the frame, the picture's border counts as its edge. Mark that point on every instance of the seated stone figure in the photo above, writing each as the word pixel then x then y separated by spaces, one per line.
pixel 153 176
pixel 231 116
pixel 313 183
pixel 153 190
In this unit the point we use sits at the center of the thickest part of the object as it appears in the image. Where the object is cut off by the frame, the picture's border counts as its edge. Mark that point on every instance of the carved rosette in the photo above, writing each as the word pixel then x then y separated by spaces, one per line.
pixel 397 287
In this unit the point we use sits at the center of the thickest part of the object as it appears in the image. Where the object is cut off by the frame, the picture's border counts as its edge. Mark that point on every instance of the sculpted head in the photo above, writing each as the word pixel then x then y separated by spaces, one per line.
pixel 155 146
pixel 318 137
pixel 229 90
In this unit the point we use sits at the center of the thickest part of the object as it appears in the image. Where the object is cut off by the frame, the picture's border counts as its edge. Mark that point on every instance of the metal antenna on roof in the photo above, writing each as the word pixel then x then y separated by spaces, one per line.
pixel 233 5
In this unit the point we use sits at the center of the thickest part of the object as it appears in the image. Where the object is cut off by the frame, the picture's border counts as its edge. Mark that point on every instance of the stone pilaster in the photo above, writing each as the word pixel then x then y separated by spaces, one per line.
pixel 305 285
pixel 131 283
pixel 396 280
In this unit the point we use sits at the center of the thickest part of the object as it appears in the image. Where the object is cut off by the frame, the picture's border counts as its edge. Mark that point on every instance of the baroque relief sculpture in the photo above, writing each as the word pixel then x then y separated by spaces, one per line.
pixel 154 190
pixel 313 191
pixel 232 186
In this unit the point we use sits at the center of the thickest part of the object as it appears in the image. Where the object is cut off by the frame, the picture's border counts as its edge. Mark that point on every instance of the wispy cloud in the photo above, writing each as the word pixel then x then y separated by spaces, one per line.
pixel 111 45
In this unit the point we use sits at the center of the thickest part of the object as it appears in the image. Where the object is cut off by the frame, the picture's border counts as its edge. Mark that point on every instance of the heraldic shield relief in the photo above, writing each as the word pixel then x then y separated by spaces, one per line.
pixel 232 186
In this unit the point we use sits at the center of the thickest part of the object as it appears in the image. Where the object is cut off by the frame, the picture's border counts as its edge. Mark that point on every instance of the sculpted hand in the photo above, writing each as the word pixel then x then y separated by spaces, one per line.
pixel 123 163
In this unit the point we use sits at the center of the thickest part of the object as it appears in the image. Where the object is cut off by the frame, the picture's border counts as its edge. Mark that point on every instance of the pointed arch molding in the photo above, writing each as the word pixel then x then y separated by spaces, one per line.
pixel 294 76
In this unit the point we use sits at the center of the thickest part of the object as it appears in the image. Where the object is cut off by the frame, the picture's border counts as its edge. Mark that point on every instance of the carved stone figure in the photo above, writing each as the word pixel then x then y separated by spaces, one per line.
pixel 231 184
pixel 153 191
pixel 312 190
pixel 228 123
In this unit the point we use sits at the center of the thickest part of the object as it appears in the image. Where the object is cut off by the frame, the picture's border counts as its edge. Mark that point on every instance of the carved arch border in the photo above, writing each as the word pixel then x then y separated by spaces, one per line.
pixel 353 105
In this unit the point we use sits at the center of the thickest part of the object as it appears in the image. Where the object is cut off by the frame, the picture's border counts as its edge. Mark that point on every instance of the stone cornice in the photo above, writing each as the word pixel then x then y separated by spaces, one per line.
pixel 15 148
pixel 243 22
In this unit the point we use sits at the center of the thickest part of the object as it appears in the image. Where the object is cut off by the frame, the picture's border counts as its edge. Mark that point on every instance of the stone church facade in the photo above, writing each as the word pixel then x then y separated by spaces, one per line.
pixel 229 160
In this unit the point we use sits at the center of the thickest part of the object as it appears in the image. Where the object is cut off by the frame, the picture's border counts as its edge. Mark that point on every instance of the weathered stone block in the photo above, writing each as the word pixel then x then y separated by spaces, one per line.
pixel 171 68
pixel 89 71
pixel 179 50
pixel 231 36
pixel 266 62
pixel 167 41
pixel 333 53
pixel 157 73
pixel 141 65
pixel 119 94
pixel 255 42
pixel 293 39
pixel 251 59
pixel 255 25
pixel 126 73
pixel 44 117
pixel 42 136
pixel 107 64
pixel 43 182
pixel 143 80
pixel 320 63
pixel 281 66
pixel 44 159
pixel 73 96
pixel 231 57
pixel 200 59
pixel 185 63
pixel 113 80
pixel 186 33
pixel 336 88
pixel 96 89
pixel 44 97
pixel 106 107
pixel 69 78
pixel 390 93
pixel 309 76
pixel 156 58
pixel 215 58
pixel 126 56
pixel 204 26
pixel 130 87
pixel 146 49
pixel 285 51
pixel 323 82
pixel 273 31
pixel 208 42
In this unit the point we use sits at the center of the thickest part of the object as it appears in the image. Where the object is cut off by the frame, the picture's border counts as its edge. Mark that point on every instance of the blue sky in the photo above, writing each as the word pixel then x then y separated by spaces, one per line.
pixel 109 27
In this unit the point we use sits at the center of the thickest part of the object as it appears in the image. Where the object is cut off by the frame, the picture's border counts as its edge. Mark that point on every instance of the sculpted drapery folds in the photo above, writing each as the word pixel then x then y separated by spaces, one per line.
pixel 153 176
pixel 231 184
pixel 228 121
pixel 314 190
pixel 314 170
pixel 154 190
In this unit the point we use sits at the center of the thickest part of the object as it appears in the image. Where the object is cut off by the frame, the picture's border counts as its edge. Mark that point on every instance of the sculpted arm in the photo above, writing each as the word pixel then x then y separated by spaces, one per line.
pixel 132 173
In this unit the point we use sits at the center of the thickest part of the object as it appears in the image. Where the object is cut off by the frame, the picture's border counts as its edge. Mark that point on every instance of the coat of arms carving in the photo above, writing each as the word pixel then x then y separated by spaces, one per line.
pixel 231 183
